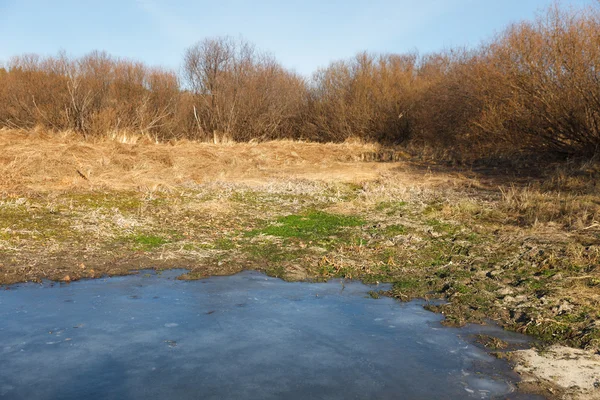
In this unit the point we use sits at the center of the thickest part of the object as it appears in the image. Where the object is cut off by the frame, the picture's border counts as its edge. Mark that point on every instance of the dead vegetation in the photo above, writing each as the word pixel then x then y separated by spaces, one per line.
pixel 532 89
pixel 42 161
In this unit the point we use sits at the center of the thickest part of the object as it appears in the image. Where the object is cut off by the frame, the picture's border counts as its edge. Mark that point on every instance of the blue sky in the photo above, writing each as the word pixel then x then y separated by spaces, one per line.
pixel 302 35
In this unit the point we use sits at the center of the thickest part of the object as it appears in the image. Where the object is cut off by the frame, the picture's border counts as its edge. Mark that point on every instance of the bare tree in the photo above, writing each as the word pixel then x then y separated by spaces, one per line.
pixel 239 92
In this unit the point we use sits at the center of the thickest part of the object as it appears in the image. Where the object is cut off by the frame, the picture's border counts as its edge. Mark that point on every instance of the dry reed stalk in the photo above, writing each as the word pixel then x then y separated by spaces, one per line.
pixel 125 161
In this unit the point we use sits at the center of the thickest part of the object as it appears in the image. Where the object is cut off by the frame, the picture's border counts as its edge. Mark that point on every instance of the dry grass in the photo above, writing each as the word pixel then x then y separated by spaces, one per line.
pixel 533 207
pixel 40 161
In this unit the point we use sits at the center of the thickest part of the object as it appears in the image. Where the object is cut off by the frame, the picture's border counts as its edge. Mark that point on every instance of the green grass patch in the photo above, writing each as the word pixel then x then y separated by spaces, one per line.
pixel 442 227
pixel 39 223
pixel 123 201
pixel 147 242
pixel 407 283
pixel 407 287
pixel 395 230
pixel 224 244
pixel 313 225
pixel 436 253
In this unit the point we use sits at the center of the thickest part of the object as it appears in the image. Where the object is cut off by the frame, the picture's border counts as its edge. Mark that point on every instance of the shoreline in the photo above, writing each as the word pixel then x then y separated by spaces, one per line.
pixel 515 249
pixel 555 372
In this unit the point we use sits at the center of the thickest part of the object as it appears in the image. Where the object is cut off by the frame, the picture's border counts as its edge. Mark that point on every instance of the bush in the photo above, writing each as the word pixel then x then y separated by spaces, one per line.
pixel 533 88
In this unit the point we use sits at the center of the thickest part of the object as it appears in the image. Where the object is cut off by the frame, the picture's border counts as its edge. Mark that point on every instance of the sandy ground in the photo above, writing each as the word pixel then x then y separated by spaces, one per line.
pixel 567 373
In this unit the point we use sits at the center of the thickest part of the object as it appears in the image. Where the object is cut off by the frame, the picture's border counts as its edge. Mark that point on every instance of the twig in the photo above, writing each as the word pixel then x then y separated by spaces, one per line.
pixel 81 174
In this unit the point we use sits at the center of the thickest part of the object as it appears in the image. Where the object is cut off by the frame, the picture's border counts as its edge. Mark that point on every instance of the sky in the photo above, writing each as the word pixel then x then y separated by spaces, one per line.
pixel 302 35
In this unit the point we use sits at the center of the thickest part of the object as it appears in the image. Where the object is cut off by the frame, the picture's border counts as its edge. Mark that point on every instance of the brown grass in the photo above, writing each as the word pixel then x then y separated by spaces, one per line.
pixel 40 161
pixel 530 90
pixel 533 207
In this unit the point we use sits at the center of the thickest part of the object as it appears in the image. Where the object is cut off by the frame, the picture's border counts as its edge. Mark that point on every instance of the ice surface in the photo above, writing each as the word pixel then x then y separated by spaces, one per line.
pixel 246 336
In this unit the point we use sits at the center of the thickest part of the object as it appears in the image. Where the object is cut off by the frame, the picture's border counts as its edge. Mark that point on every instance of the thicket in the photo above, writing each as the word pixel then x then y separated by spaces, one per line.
pixel 534 87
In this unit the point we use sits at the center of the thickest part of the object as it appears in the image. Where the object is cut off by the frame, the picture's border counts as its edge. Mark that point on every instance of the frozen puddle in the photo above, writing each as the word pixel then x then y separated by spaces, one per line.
pixel 245 336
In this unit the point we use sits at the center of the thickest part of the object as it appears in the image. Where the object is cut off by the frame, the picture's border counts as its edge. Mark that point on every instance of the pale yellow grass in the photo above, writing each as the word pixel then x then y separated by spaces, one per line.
pixel 43 161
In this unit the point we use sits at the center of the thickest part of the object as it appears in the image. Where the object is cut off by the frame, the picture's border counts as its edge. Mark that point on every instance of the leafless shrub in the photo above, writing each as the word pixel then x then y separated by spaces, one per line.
pixel 241 93
pixel 550 70
pixel 91 95
pixel 534 88
pixel 369 97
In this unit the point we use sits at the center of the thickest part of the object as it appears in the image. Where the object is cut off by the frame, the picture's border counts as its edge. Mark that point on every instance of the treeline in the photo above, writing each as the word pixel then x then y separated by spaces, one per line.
pixel 535 86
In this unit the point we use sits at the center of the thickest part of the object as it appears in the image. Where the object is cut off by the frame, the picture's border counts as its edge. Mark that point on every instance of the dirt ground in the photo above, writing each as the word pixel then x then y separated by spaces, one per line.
pixel 514 246
pixel 566 372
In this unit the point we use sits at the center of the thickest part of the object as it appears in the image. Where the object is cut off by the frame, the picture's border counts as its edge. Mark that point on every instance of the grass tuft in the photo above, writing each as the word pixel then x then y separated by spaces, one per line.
pixel 313 225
